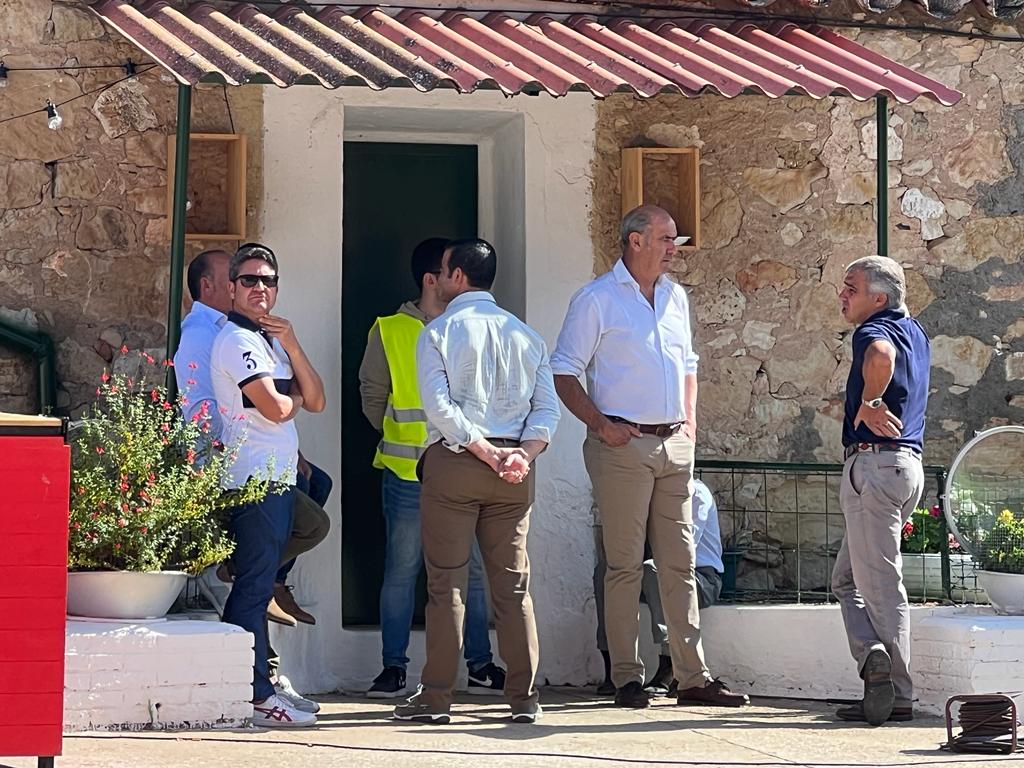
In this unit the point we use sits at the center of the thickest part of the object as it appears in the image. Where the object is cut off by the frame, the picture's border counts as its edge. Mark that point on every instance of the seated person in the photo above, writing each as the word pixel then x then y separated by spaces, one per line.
pixel 708 573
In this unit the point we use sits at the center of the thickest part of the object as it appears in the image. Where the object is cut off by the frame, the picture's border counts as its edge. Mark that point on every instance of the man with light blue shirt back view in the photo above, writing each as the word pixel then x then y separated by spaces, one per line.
pixel 487 390
pixel 628 332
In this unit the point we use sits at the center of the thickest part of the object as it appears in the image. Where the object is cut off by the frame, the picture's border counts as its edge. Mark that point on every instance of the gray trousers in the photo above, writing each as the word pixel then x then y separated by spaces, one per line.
pixel 709 589
pixel 878 494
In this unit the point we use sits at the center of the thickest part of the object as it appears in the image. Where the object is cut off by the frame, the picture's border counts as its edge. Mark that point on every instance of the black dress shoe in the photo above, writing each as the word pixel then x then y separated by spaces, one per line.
pixel 662 680
pixel 714 694
pixel 855 714
pixel 632 696
pixel 607 688
pixel 879 693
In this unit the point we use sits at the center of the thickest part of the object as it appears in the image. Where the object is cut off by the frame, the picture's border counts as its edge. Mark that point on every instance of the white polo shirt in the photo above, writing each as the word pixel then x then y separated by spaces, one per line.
pixel 636 357
pixel 241 354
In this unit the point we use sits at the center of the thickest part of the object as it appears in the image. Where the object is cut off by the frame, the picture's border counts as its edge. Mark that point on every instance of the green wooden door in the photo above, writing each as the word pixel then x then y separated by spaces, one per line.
pixel 395 195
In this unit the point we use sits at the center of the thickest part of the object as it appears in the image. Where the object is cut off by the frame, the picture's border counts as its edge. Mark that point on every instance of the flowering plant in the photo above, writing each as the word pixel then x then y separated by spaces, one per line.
pixel 924 532
pixel 145 483
pixel 1003 545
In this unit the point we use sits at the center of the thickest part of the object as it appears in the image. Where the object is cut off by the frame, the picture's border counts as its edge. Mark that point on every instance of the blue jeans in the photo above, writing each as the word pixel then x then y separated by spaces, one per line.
pixel 402 564
pixel 318 488
pixel 260 531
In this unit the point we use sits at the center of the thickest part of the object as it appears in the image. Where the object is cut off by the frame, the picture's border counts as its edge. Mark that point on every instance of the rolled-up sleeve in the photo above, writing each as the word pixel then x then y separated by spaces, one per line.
pixel 544 408
pixel 435 393
pixel 578 339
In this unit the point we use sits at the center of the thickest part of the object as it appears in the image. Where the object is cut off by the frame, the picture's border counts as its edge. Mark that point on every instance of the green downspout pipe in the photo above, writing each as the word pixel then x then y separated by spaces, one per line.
pixel 882 172
pixel 178 225
pixel 40 346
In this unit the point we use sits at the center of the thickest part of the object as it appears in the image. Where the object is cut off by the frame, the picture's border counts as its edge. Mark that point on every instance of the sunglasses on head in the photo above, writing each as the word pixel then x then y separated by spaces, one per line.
pixel 250 281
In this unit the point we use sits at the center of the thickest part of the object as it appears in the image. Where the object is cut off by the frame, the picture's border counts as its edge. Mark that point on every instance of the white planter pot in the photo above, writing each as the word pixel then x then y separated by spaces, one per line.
pixel 922 577
pixel 1005 591
pixel 123 594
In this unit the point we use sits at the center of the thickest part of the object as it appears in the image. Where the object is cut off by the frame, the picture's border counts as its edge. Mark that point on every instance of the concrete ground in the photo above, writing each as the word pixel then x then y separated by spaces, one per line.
pixel 576 731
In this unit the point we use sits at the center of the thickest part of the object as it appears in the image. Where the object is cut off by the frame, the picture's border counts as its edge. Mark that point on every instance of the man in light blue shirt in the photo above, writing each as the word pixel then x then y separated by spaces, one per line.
pixel 489 397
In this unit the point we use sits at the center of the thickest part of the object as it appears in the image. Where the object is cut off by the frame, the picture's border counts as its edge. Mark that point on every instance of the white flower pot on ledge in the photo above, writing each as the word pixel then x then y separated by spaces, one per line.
pixel 123 594
pixel 1005 591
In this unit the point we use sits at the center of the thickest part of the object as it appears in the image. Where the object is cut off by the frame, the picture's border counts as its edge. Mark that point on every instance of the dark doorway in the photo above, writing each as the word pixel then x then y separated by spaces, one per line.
pixel 395 195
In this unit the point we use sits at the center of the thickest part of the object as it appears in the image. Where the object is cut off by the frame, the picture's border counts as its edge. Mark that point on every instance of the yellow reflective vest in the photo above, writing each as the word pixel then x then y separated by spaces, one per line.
pixel 405 424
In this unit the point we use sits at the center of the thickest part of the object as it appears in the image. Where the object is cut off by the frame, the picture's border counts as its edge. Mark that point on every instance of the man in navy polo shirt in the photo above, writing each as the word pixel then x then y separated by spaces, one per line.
pixel 883 434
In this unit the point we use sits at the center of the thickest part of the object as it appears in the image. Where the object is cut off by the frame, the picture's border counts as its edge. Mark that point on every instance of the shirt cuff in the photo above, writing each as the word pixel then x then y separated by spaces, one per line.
pixel 536 433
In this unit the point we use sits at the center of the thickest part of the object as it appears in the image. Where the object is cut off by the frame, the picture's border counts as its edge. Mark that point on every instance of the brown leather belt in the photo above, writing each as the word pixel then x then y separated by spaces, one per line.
pixel 659 430
pixel 850 450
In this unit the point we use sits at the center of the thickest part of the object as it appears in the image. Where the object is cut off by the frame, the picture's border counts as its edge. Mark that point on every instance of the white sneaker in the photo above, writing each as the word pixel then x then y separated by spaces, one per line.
pixel 284 689
pixel 278 712
pixel 213 589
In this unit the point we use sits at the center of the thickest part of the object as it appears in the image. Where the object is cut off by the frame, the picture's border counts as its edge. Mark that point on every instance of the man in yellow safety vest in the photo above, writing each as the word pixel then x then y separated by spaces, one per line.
pixel 391 402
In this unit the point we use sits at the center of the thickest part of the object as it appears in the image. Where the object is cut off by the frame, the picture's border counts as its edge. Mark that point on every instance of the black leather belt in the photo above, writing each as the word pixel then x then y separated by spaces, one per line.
pixel 849 450
pixel 659 430
pixel 503 442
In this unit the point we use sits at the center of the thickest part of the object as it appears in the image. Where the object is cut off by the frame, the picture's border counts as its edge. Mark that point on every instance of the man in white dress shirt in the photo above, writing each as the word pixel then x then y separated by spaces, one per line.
pixel 628 332
pixel 486 386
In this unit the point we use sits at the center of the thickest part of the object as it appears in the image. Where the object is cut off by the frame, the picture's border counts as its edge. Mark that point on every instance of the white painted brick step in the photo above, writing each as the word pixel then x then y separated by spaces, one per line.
pixel 168 674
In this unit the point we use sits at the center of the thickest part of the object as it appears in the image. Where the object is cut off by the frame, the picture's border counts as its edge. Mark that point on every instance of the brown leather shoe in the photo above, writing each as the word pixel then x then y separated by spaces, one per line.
pixel 286 602
pixel 278 616
pixel 714 694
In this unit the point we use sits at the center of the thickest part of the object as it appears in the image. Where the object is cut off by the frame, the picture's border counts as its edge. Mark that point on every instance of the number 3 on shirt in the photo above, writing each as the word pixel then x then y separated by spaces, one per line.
pixel 250 364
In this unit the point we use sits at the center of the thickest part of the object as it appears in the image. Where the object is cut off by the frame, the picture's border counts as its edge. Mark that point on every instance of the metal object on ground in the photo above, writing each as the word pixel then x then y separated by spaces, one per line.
pixel 988 724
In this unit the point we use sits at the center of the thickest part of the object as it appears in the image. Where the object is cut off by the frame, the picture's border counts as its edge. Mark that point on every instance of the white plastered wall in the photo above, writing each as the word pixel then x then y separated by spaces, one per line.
pixel 535 201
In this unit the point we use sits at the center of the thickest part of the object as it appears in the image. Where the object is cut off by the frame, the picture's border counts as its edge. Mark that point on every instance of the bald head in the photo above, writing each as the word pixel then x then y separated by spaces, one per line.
pixel 208 279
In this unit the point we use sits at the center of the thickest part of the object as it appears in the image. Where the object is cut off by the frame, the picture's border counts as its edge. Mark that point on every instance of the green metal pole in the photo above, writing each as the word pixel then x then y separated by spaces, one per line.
pixel 882 172
pixel 178 225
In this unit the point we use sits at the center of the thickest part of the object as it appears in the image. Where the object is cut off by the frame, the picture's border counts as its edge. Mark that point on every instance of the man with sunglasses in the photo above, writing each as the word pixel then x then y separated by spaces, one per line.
pixel 261 379
pixel 210 289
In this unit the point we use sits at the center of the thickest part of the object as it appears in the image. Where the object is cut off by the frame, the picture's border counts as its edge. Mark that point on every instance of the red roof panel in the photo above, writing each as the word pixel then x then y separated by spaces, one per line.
pixel 469 51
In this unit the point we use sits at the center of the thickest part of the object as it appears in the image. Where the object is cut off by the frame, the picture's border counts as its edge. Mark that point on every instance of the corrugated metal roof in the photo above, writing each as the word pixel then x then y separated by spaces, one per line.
pixel 290 45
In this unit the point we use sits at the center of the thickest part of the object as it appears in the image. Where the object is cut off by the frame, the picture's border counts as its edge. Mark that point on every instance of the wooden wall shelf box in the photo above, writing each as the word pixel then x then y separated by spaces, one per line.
pixel 687 208
pixel 234 171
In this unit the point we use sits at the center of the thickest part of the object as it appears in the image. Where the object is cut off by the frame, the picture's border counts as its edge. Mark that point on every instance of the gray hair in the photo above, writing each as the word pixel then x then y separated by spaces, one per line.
pixel 638 220
pixel 883 276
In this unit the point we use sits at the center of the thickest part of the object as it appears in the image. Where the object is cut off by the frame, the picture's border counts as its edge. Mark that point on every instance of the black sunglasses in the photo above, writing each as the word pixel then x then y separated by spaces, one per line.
pixel 250 281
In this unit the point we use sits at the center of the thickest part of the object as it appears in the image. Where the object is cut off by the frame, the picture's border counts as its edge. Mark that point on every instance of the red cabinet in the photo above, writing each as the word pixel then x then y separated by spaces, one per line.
pixel 35 468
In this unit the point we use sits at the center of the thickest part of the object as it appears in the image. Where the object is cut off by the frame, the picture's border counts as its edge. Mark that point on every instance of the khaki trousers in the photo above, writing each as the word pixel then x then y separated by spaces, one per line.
pixel 643 492
pixel 462 499
pixel 310 526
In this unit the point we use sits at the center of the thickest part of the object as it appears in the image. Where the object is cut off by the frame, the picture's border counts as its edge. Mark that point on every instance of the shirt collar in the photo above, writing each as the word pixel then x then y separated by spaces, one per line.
pixel 244 322
pixel 208 313
pixel 889 313
pixel 623 275
pixel 469 297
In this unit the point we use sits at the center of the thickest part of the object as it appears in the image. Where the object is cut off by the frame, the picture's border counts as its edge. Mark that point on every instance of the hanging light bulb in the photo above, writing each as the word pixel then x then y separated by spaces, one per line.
pixel 3 75
pixel 54 120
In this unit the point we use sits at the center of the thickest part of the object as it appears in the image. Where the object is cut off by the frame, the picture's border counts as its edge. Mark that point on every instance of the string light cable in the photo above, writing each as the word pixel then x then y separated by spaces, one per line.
pixel 54 120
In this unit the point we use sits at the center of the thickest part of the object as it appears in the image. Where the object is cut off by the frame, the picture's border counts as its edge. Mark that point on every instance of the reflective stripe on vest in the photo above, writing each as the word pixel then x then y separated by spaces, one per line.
pixel 405 423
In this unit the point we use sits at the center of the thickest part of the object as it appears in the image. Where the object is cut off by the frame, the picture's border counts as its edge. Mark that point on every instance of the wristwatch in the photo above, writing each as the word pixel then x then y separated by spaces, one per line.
pixel 876 403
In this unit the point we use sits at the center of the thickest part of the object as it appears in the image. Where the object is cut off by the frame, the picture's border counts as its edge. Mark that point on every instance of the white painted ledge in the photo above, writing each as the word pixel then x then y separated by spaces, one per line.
pixel 173 674
pixel 801 651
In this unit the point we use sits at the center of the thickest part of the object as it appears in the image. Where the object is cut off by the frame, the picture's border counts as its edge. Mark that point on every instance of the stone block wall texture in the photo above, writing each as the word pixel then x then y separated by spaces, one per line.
pixel 788 200
pixel 168 674
pixel 84 245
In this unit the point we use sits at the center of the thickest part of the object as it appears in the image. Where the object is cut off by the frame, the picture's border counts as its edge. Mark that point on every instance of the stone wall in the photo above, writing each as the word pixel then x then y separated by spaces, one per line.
pixel 84 246
pixel 788 201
